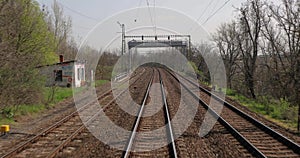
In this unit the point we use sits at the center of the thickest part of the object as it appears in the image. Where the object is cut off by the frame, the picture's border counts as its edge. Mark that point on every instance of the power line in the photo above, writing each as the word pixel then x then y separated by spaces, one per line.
pixel 79 13
pixel 138 11
pixel 215 6
pixel 202 14
pixel 154 16
pixel 205 10
pixel 150 15
pixel 215 12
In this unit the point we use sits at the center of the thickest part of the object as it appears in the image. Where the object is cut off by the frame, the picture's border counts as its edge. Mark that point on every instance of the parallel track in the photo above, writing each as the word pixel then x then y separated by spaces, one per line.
pixel 141 142
pixel 259 139
pixel 51 140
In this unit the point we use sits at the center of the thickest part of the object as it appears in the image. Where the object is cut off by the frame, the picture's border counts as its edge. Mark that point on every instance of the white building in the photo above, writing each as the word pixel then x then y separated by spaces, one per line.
pixel 64 73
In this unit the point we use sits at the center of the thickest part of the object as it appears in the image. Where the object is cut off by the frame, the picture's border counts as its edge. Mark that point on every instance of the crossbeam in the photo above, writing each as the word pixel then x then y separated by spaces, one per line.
pixel 156 36
pixel 157 43
pixel 165 40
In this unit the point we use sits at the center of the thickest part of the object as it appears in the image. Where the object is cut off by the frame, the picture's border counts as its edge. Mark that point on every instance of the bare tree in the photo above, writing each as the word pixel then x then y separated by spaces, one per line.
pixel 61 27
pixel 226 41
pixel 248 40
pixel 287 48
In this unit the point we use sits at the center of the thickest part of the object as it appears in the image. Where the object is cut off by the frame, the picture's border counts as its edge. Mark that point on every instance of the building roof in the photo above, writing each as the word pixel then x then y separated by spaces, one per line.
pixel 59 63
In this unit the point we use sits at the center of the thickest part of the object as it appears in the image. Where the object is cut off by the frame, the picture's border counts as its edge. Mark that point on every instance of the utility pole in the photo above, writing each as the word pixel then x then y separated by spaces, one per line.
pixel 124 45
pixel 123 37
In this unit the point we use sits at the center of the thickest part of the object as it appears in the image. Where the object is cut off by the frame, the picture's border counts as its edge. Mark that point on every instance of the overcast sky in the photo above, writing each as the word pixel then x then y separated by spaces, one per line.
pixel 87 13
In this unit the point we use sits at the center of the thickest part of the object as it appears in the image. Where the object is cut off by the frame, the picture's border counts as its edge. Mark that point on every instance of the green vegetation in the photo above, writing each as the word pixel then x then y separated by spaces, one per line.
pixel 105 65
pixel 4 120
pixel 61 93
pixel 8 113
pixel 201 76
pixel 50 58
pixel 279 111
pixel 197 71
pixel 30 36
pixel 25 43
pixel 104 72
pixel 100 82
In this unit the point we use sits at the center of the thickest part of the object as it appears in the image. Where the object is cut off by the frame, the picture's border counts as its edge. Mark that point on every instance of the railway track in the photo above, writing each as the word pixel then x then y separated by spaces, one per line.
pixel 259 139
pixel 144 143
pixel 254 137
pixel 51 140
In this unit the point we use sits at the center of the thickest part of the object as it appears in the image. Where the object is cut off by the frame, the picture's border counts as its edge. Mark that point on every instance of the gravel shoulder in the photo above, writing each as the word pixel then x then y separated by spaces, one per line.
pixel 28 125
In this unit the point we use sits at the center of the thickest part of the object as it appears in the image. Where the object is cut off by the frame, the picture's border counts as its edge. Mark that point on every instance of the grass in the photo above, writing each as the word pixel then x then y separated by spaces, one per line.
pixel 61 93
pixel 100 82
pixel 8 114
pixel 29 109
pixel 5 121
pixel 279 111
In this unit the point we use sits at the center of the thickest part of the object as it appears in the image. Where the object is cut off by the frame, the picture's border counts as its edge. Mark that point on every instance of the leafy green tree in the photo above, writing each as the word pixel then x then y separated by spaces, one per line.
pixel 25 41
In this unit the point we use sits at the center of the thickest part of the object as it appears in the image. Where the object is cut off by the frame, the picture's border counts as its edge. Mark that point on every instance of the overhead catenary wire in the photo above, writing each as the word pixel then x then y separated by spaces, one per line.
pixel 192 27
pixel 154 10
pixel 77 12
pixel 205 9
pixel 138 11
pixel 215 12
pixel 214 7
pixel 151 17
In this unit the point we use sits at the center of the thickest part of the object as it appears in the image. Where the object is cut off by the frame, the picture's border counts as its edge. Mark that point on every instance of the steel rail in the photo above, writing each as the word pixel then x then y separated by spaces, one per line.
pixel 57 124
pixel 169 123
pixel 126 152
pixel 62 145
pixel 286 141
pixel 246 143
pixel 49 129
pixel 81 128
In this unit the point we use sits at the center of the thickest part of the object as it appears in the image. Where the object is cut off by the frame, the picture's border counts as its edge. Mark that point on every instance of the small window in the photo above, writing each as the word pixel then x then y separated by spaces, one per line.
pixel 58 75
pixel 78 74
pixel 82 73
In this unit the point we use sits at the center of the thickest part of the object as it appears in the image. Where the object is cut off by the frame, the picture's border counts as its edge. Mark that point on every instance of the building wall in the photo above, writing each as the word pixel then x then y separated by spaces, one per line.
pixel 62 74
pixel 79 74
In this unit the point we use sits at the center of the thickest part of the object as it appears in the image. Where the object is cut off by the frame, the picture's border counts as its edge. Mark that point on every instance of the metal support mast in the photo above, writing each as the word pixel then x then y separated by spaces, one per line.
pixel 123 37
